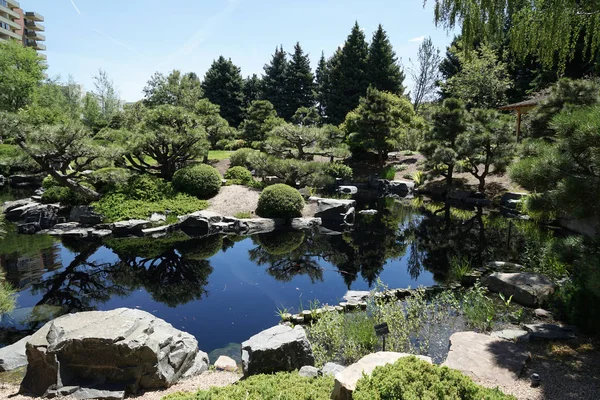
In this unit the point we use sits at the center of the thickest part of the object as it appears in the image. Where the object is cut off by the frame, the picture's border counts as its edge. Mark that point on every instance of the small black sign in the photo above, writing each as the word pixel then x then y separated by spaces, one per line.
pixel 382 329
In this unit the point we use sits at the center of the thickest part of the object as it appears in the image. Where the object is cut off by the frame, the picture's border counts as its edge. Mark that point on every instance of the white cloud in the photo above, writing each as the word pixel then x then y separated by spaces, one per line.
pixel 417 39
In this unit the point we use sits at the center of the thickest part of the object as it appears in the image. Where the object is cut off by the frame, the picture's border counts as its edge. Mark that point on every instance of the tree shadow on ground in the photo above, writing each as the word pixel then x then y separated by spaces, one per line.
pixel 568 369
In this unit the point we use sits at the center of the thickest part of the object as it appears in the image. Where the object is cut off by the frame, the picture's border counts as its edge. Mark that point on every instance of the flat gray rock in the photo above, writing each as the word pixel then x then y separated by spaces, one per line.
pixel 550 332
pixel 280 348
pixel 515 335
pixel 124 348
pixel 332 368
pixel 527 288
pixel 356 296
pixel 345 381
pixel 97 394
pixel 484 357
pixel 13 356
pixel 309 371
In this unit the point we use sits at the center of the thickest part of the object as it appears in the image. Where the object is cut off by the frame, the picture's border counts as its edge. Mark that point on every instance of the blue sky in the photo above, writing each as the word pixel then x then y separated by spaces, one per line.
pixel 132 39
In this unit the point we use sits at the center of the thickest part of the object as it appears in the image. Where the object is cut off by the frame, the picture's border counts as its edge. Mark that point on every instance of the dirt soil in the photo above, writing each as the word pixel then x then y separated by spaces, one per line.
pixel 203 381
pixel 568 371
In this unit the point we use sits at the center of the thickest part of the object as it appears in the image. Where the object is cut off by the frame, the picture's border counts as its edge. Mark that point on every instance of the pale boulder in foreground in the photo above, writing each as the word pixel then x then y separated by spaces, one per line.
pixel 345 381
pixel 124 349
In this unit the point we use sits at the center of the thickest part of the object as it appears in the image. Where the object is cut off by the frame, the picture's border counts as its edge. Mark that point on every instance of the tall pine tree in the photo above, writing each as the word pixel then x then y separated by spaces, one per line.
pixel 274 83
pixel 252 90
pixel 321 84
pixel 300 82
pixel 223 85
pixel 348 79
pixel 383 71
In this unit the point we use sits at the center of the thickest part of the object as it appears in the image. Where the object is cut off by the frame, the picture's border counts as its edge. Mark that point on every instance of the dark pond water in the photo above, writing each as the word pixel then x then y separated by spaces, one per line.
pixel 225 289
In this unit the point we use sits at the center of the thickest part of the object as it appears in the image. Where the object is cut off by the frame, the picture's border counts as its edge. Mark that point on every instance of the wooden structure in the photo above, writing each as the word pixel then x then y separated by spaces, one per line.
pixel 522 108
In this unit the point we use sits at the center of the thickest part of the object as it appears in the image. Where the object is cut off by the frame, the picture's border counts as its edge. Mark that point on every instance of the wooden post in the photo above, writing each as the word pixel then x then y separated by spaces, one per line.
pixel 518 124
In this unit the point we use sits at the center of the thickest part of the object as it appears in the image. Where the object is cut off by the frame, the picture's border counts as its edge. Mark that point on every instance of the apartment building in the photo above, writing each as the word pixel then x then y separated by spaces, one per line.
pixel 26 27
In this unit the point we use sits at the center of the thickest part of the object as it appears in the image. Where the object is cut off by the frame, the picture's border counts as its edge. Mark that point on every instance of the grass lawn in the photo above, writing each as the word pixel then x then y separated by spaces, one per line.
pixel 219 154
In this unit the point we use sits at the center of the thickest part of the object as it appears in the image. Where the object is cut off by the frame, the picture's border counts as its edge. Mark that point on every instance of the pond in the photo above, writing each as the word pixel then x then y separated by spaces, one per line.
pixel 224 289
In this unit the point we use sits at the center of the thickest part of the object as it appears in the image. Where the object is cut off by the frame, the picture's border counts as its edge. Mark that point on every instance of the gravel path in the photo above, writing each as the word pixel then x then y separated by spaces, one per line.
pixel 203 381
pixel 234 199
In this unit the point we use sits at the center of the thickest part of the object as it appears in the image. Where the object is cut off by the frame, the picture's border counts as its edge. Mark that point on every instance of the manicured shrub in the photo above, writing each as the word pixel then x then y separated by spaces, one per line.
pixel 49 182
pixel 279 243
pixel 200 180
pixel 280 201
pixel 240 158
pixel 338 170
pixel 411 378
pixel 64 195
pixel 118 207
pixel 239 174
pixel 111 178
pixel 283 385
pixel 146 187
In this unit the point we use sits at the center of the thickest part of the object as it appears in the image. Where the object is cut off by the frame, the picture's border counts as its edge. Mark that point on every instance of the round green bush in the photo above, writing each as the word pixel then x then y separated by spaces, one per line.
pixel 239 174
pixel 239 158
pixel 280 201
pixel 110 179
pixel 279 243
pixel 411 378
pixel 49 182
pixel 200 180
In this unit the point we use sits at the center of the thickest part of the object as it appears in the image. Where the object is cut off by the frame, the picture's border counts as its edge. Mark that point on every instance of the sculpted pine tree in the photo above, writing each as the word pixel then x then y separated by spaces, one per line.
pixel 300 81
pixel 348 78
pixel 274 83
pixel 223 86
pixel 439 146
pixel 383 71
pixel 487 143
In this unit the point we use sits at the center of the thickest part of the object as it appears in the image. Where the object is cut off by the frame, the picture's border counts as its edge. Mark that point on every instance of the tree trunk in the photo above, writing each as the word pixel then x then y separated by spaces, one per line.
pixel 449 175
pixel 76 187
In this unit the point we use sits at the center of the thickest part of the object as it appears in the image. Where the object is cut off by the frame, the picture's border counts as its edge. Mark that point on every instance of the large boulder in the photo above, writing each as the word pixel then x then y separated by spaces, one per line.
pixel 123 349
pixel 25 180
pixel 253 226
pixel 526 288
pixel 199 223
pixel 37 217
pixel 85 215
pixel 336 210
pixel 280 348
pixel 130 227
pixel 345 381
pixel 13 356
pixel 483 357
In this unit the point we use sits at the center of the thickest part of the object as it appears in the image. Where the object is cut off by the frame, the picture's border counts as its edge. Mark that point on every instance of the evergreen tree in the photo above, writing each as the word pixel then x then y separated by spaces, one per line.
pixel 439 147
pixel 252 90
pixel 378 122
pixel 223 86
pixel 300 81
pixel 383 70
pixel 348 79
pixel 274 83
pixel 261 119
pixel 321 84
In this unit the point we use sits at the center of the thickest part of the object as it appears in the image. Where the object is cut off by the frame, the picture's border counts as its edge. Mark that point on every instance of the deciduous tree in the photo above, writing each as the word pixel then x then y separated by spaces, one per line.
pixel 176 89
pixel 425 73
pixel 21 71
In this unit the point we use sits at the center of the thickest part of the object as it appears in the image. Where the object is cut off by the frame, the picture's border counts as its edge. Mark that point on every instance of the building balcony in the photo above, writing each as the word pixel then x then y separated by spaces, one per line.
pixel 33 16
pixel 10 23
pixel 5 33
pixel 9 12
pixel 33 25
pixel 35 45
pixel 13 4
pixel 33 35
